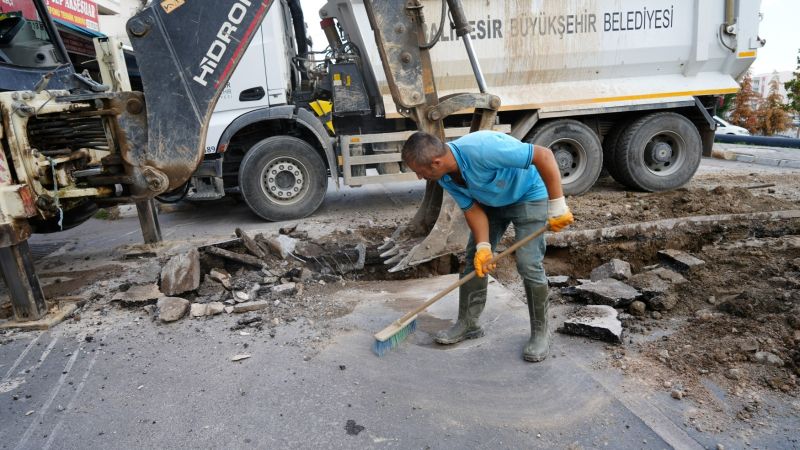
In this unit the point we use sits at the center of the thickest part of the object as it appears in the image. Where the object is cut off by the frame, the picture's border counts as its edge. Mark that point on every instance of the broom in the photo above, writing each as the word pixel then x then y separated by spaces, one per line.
pixel 391 336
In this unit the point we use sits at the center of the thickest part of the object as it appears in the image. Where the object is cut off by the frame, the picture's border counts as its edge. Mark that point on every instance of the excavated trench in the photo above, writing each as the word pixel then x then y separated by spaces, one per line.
pixel 577 259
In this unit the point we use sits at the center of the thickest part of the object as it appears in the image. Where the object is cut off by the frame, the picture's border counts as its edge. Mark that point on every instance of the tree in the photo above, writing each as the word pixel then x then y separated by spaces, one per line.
pixel 793 91
pixel 743 114
pixel 772 115
pixel 725 104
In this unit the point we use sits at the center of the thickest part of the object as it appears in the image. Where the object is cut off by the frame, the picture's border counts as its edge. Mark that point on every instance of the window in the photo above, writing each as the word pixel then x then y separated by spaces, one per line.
pixel 24 37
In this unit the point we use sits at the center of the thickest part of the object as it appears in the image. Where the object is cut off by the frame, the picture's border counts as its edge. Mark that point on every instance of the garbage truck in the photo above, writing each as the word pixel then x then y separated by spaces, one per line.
pixel 627 85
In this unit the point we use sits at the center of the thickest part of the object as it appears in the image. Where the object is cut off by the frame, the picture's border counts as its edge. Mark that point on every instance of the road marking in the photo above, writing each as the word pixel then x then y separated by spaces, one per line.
pixel 45 353
pixel 75 395
pixel 53 393
pixel 22 356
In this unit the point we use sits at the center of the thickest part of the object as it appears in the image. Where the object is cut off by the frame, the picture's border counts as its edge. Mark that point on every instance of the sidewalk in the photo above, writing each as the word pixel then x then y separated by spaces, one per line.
pixel 767 156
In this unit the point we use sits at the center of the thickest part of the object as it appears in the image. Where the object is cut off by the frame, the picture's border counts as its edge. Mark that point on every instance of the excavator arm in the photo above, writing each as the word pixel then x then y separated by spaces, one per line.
pixel 189 50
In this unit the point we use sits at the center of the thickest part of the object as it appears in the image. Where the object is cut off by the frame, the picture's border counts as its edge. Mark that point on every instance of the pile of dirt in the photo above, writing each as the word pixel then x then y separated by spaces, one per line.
pixel 735 324
pixel 743 308
pixel 602 209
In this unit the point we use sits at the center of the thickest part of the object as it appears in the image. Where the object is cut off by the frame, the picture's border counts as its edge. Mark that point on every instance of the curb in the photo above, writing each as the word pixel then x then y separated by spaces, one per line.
pixel 760 160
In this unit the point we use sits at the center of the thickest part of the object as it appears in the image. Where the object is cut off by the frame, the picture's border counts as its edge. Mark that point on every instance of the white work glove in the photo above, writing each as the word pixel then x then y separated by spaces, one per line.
pixel 558 214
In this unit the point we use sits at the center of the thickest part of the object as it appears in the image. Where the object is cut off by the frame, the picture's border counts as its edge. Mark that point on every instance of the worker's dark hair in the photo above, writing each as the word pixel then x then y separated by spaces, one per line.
pixel 421 148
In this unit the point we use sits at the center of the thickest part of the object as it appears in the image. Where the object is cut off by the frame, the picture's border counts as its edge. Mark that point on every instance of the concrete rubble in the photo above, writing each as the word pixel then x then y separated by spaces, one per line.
pixel 680 260
pixel 248 274
pixel 609 292
pixel 594 321
pixel 138 294
pixel 616 269
pixel 181 273
pixel 251 306
pixel 282 245
pixel 558 280
pixel 171 309
pixel 206 309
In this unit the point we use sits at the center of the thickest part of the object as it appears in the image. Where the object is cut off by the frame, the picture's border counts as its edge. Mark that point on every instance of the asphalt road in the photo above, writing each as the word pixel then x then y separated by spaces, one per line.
pixel 138 384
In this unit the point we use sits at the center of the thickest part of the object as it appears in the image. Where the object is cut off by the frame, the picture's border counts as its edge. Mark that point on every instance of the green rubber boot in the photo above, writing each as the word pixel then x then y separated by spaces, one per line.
pixel 471 300
pixel 538 302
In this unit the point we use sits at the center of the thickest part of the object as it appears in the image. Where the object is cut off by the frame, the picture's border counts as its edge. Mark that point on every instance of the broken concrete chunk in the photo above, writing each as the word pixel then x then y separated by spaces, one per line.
pixel 596 322
pixel 211 289
pixel 768 358
pixel 309 250
pixel 288 229
pixel 198 309
pixel 206 309
pixel 250 244
pixel 704 315
pixel 251 306
pixel 214 308
pixel 138 294
pixel 171 309
pixel 285 289
pixel 637 308
pixel 181 273
pixel 669 275
pixel 233 256
pixel 649 284
pixel 680 260
pixel 222 277
pixel 616 269
pixel 609 292
pixel 228 309
pixel 558 280
pixel 282 245
pixel 241 296
pixel 663 302
pixel 270 280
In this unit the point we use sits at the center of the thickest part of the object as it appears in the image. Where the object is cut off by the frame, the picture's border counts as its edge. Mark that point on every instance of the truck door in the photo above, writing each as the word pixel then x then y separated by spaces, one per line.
pixel 246 91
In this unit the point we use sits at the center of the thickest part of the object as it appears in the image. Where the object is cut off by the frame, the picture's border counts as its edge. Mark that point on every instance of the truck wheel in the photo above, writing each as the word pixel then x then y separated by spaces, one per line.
pixel 658 152
pixel 577 150
pixel 283 178
pixel 610 144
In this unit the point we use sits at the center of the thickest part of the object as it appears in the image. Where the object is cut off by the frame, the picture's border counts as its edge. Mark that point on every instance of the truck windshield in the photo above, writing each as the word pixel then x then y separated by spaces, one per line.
pixel 24 38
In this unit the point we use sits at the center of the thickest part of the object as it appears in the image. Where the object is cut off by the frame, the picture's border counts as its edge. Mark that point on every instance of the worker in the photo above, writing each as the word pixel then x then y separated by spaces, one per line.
pixel 496 180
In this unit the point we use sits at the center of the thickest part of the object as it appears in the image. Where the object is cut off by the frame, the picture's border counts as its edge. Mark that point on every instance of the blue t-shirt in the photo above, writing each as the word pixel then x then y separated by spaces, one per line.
pixel 497 170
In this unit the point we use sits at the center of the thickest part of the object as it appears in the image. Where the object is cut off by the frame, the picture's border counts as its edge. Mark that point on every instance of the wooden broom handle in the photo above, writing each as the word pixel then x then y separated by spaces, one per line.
pixel 471 275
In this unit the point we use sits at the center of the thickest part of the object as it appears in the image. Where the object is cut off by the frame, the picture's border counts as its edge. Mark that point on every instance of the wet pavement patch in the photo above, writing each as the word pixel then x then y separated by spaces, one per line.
pixel 352 428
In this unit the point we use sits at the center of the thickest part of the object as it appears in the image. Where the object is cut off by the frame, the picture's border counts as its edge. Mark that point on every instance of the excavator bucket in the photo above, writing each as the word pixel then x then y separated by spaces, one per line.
pixel 448 234
pixel 438 228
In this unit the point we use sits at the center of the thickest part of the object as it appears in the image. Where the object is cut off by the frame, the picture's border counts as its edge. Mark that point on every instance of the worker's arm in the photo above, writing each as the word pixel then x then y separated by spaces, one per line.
pixel 558 213
pixel 546 165
pixel 478 223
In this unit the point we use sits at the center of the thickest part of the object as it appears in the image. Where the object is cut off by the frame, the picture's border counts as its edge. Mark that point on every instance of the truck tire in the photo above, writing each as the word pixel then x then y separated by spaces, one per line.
pixel 577 150
pixel 658 152
pixel 283 178
pixel 610 144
